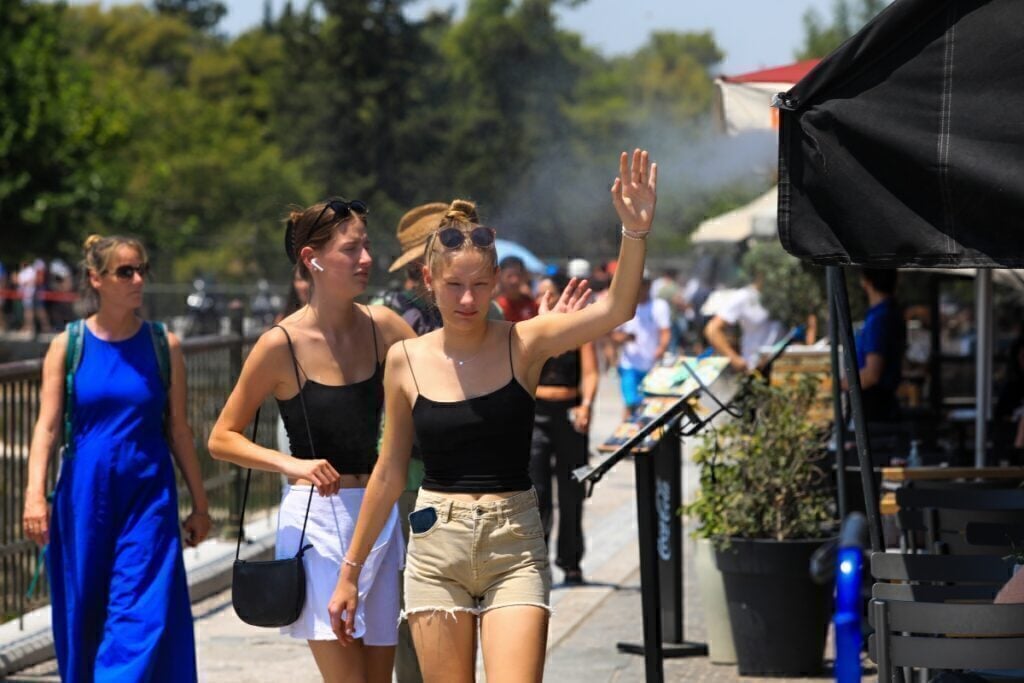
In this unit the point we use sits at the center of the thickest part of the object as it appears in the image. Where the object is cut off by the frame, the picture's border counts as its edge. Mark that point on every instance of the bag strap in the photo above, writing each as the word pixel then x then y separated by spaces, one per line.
pixel 312 449
pixel 158 335
pixel 72 359
pixel 245 495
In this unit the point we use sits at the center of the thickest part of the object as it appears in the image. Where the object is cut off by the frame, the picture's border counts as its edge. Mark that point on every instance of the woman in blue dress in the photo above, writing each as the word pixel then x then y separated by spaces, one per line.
pixel 118 587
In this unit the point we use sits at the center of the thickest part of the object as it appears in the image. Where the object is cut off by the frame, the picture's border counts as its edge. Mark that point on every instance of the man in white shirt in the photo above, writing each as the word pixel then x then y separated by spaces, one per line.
pixel 757 329
pixel 644 340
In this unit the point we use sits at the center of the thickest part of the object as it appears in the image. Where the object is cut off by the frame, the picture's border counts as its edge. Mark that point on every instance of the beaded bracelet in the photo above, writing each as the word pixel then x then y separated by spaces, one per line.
pixel 635 234
pixel 357 565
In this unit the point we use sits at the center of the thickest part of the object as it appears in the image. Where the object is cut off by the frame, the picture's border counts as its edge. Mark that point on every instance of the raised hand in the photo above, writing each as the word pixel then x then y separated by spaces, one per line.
pixel 575 297
pixel 635 191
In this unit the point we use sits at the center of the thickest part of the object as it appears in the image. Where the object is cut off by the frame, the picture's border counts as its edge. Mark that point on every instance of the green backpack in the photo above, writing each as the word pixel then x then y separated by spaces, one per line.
pixel 73 358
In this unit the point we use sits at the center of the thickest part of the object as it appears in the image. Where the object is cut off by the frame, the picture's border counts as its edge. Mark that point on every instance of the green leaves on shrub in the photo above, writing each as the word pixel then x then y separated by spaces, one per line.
pixel 762 475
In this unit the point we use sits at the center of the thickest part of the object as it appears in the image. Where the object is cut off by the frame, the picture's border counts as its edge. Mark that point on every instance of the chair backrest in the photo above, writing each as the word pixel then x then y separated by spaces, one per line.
pixel 945 636
pixel 938 578
pixel 944 516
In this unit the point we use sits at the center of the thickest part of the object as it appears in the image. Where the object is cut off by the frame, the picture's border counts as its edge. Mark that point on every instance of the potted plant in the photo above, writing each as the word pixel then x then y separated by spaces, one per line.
pixel 764 501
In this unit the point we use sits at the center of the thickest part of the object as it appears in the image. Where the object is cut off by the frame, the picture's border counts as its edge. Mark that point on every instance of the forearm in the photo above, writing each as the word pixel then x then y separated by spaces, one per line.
pixel 43 441
pixel 235 448
pixel 183 451
pixel 716 337
pixel 625 286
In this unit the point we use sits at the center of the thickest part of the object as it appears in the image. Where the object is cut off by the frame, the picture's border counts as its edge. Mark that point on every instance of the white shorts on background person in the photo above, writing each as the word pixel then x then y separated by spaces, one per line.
pixel 332 521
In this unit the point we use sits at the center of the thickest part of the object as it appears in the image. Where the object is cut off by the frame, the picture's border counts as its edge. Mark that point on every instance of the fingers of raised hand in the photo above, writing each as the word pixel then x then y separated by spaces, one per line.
pixel 636 167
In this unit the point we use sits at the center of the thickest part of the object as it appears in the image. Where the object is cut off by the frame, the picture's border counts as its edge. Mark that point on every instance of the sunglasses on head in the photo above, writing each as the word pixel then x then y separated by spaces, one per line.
pixel 453 238
pixel 342 209
pixel 127 272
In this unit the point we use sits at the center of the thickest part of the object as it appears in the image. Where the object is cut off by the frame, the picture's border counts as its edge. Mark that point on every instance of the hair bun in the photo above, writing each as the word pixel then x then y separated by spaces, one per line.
pixel 462 210
pixel 91 241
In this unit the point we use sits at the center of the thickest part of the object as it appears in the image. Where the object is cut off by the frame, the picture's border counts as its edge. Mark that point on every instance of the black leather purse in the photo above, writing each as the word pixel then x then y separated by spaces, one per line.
pixel 271 592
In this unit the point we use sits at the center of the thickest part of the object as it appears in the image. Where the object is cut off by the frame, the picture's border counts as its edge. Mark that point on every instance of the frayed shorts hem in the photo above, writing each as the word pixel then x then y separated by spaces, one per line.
pixel 475 611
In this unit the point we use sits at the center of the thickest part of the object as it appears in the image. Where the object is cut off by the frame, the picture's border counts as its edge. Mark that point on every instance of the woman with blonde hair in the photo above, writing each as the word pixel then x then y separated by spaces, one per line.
pixel 324 366
pixel 117 580
pixel 477 555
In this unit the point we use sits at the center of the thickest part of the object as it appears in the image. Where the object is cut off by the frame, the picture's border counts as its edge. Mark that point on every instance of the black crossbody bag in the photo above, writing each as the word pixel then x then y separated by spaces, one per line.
pixel 272 592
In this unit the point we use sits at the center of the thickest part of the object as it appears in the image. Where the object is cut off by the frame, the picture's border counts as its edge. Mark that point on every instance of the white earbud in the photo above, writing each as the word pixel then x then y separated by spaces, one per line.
pixel 316 266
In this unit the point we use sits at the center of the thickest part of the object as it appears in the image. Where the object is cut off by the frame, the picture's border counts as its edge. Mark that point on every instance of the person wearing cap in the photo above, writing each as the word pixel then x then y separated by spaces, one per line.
pixel 644 340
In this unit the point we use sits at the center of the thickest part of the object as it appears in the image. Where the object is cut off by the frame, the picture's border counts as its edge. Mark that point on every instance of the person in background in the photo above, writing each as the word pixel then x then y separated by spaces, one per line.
pixel 744 309
pixel 880 344
pixel 667 287
pixel 410 300
pixel 117 579
pixel 516 305
pixel 298 295
pixel 565 398
pixel 26 280
pixel 643 341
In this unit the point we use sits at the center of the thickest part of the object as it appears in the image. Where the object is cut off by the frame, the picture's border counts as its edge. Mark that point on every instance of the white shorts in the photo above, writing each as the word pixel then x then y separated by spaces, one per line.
pixel 332 521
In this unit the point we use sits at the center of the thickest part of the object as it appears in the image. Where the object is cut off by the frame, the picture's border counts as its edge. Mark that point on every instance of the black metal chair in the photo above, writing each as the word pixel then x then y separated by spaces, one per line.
pixel 930 635
pixel 961 521
pixel 935 612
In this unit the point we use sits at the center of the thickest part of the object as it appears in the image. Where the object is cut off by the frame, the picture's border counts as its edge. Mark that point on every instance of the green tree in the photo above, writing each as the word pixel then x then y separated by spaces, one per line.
pixel 822 36
pixel 53 137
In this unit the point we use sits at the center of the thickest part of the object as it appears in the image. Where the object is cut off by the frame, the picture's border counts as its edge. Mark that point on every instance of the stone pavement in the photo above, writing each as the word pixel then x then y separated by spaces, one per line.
pixel 587 623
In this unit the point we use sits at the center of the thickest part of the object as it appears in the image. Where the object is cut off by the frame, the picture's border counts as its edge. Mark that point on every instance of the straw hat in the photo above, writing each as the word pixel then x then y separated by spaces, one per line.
pixel 413 230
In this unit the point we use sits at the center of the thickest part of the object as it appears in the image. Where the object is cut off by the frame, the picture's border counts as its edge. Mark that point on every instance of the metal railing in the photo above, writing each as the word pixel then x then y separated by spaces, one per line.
pixel 213 364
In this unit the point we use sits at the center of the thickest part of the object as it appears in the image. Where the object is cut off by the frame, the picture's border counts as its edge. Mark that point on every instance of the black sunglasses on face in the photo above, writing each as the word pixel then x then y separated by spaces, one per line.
pixel 341 209
pixel 127 272
pixel 453 238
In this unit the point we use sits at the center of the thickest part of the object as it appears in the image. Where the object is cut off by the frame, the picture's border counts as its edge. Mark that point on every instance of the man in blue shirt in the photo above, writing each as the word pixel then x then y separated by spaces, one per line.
pixel 880 345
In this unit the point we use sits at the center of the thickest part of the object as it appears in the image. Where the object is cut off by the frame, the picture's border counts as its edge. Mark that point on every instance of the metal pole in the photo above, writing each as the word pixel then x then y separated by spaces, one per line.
pixel 867 475
pixel 839 421
pixel 983 363
pixel 650 593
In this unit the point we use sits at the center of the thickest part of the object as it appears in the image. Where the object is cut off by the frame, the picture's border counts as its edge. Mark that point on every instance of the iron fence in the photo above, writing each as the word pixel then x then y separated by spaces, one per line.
pixel 213 364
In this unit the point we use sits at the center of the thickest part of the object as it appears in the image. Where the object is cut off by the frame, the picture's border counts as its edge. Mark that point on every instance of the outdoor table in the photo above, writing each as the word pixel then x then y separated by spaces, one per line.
pixel 907 475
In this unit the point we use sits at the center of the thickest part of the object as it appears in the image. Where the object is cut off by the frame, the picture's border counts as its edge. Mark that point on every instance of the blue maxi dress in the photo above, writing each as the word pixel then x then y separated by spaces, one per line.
pixel 121 609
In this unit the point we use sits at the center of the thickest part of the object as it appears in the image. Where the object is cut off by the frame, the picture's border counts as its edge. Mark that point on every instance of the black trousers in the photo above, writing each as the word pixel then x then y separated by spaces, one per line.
pixel 558 449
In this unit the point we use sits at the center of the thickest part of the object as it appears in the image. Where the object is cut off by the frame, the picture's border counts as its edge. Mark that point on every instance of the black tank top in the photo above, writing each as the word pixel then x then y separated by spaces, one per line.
pixel 344 419
pixel 479 444
pixel 561 371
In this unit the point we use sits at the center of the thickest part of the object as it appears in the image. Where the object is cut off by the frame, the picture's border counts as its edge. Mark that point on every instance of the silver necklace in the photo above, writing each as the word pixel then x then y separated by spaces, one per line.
pixel 460 363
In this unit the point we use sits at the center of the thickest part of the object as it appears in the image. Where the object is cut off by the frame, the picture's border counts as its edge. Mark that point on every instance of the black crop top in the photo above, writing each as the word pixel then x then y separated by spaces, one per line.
pixel 561 371
pixel 343 419
pixel 479 444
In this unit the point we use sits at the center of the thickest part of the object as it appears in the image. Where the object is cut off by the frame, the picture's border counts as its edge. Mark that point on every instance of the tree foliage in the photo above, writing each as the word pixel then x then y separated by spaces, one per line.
pixel 142 119
pixel 822 36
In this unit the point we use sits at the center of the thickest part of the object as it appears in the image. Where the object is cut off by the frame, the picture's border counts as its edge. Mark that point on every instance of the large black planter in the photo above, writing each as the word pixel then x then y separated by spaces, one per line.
pixel 779 616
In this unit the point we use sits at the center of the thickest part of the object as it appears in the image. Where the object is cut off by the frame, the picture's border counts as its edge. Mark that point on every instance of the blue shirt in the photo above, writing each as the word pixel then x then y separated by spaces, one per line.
pixel 883 333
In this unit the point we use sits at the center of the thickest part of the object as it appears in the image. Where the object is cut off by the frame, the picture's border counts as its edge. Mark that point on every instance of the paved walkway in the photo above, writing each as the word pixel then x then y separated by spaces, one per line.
pixel 587 623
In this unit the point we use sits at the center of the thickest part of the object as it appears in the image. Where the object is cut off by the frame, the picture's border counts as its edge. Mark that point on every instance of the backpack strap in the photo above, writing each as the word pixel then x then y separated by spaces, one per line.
pixel 158 335
pixel 72 359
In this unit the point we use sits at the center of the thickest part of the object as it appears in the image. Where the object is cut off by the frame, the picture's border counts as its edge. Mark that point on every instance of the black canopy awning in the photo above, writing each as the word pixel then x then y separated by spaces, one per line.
pixel 905 147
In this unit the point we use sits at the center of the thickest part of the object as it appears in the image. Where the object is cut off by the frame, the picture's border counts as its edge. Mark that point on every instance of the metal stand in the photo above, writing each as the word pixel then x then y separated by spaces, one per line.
pixel 658 497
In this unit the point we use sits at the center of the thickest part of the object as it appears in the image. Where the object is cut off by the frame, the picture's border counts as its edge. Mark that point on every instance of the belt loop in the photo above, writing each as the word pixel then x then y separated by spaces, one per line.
pixel 445 510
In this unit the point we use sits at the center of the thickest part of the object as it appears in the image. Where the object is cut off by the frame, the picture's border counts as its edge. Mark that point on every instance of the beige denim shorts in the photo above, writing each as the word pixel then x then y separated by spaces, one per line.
pixel 477 556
